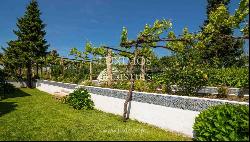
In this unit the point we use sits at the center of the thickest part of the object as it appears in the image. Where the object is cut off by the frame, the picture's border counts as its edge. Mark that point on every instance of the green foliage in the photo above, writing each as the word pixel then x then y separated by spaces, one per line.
pixel 212 5
pixel 184 70
pixel 218 46
pixel 121 84
pixel 148 37
pixel 5 88
pixel 30 45
pixel 80 99
pixel 223 123
pixel 89 50
pixel 190 80
pixel 223 92
pixel 231 77
pixel 2 83
pixel 143 86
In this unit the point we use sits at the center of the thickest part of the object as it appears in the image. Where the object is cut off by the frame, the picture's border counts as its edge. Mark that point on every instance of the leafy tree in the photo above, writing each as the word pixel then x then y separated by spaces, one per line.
pixel 190 48
pixel 30 43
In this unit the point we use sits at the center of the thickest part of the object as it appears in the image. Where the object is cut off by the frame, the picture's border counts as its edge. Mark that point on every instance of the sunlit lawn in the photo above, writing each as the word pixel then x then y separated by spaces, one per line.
pixel 29 114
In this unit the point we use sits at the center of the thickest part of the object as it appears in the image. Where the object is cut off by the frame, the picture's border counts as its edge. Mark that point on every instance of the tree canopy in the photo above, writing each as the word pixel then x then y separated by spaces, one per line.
pixel 30 44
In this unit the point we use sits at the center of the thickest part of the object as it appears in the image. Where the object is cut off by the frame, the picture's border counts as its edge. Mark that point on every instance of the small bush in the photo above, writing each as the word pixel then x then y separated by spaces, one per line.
pixel 125 85
pixel 141 85
pixel 223 92
pixel 223 123
pixel 87 83
pixel 80 99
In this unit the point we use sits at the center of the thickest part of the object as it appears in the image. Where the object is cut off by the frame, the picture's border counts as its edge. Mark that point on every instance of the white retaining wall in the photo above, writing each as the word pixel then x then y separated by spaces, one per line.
pixel 172 119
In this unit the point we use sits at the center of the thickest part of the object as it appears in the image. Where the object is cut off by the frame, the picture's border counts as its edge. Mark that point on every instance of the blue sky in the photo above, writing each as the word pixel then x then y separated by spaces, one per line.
pixel 71 22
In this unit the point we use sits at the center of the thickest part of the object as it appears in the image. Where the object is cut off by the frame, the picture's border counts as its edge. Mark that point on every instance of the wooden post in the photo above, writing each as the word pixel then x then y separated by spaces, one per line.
pixel 109 66
pixel 142 76
pixel 90 71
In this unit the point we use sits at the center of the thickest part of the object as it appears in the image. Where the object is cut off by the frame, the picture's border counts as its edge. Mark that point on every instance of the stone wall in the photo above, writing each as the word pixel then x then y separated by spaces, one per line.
pixel 173 101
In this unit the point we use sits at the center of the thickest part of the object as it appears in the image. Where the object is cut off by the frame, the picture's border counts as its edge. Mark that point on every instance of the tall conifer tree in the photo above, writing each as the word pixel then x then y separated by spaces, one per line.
pixel 30 42
pixel 221 52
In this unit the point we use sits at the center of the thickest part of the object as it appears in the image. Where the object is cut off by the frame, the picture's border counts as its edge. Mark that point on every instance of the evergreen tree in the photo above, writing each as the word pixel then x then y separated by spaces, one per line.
pixel 30 41
pixel 212 5
pixel 1 57
pixel 13 59
pixel 224 50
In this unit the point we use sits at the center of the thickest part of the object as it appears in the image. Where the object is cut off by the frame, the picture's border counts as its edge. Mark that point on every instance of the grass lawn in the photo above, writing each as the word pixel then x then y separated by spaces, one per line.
pixel 29 114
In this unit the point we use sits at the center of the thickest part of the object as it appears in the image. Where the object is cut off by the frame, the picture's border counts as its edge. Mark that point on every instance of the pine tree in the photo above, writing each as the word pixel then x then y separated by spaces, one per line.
pixel 1 57
pixel 212 5
pixel 13 59
pixel 221 52
pixel 30 42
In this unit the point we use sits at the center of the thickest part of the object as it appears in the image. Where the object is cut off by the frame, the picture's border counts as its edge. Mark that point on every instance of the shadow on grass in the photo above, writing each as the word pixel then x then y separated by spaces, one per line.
pixel 6 107
pixel 14 93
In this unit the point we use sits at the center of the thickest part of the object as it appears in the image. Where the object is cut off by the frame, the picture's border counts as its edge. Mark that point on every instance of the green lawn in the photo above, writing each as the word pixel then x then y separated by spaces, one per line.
pixel 29 114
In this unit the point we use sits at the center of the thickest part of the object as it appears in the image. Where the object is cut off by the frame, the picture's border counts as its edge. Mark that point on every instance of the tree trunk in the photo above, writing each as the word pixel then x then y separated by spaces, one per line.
pixel 29 74
pixel 41 70
pixel 90 71
pixel 37 70
pixel 109 66
pixel 19 71
pixel 130 93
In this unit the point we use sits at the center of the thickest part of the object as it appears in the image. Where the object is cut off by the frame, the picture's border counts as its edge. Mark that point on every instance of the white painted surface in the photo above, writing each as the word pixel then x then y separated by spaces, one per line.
pixel 164 117
pixel 171 119
pixel 51 88
pixel 168 118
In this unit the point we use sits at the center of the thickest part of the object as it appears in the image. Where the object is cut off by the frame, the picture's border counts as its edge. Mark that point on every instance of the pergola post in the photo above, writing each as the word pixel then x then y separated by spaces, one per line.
pixel 109 67
pixel 90 71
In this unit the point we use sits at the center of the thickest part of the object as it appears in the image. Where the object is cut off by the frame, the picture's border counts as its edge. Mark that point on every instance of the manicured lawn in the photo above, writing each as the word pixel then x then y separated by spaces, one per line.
pixel 29 114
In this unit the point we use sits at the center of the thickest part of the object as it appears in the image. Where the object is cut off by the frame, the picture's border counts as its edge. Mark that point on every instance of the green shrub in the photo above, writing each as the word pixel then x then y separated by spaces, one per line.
pixel 222 123
pixel 80 99
pixel 125 85
pixel 232 77
pixel 190 80
pixel 141 85
pixel 223 92
pixel 87 83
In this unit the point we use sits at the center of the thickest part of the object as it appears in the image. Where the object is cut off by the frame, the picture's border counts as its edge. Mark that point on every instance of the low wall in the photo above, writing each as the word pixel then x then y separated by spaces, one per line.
pixel 171 112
